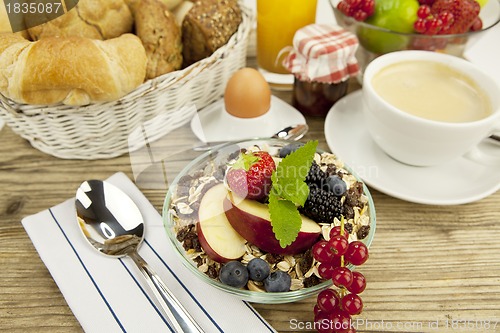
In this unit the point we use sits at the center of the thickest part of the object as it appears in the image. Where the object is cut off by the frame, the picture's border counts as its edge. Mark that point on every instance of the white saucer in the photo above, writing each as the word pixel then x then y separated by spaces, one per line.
pixel 457 182
pixel 213 123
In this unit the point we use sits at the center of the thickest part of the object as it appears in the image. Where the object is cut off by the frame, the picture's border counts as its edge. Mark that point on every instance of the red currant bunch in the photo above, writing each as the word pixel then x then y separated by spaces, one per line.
pixel 360 10
pixel 336 305
pixel 432 24
pixel 444 17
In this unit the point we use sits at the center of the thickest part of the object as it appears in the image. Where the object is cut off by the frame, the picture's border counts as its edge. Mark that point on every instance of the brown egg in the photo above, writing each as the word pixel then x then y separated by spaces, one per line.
pixel 247 94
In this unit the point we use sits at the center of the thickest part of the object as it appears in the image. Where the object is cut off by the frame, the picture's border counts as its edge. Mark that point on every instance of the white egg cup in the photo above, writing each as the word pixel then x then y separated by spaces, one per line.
pixel 214 123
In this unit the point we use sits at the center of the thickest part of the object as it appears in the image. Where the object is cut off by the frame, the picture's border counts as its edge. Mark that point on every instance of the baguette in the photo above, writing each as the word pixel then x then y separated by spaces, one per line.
pixel 71 70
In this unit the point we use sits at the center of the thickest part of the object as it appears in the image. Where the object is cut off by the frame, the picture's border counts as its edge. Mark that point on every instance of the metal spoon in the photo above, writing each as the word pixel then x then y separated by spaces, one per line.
pixel 113 225
pixel 295 132
pixel 495 139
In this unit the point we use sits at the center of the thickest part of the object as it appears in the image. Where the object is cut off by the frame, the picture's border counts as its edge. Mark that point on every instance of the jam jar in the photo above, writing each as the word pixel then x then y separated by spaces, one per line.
pixel 322 61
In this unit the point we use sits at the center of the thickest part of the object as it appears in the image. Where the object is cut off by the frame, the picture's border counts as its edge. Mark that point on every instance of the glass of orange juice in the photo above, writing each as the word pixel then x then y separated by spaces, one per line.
pixel 277 22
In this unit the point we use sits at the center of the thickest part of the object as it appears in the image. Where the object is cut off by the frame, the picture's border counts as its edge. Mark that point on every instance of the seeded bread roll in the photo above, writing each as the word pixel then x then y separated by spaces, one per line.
pixel 157 28
pixel 207 26
pixel 97 19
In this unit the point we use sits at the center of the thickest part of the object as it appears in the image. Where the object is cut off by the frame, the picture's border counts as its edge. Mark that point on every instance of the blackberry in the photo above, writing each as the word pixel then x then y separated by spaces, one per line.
pixel 322 206
pixel 315 177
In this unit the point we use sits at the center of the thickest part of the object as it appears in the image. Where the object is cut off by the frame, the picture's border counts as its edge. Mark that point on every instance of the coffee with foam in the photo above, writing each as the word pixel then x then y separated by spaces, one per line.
pixel 433 91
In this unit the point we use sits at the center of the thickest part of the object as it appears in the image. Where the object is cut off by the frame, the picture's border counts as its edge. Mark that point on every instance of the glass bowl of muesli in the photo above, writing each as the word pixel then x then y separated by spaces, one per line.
pixel 244 217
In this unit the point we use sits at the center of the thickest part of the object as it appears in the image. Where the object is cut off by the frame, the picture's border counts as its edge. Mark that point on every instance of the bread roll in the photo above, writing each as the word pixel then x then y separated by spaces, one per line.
pixel 71 70
pixel 157 28
pixel 97 19
pixel 181 11
pixel 5 23
pixel 170 4
pixel 207 26
pixel 4 19
pixel 7 40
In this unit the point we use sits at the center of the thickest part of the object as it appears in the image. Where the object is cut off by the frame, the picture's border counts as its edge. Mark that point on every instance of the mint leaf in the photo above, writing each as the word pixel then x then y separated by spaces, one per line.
pixel 288 191
pixel 290 174
pixel 285 218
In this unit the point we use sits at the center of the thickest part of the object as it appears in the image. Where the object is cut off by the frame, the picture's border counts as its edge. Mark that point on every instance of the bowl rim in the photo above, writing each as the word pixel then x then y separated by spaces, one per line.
pixel 248 295
pixel 333 4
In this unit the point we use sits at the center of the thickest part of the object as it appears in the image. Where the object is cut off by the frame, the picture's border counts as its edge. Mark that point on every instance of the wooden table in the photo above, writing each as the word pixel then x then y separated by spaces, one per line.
pixel 431 269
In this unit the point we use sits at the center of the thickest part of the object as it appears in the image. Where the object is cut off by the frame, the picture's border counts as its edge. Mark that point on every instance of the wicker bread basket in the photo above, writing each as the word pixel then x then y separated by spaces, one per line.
pixel 99 131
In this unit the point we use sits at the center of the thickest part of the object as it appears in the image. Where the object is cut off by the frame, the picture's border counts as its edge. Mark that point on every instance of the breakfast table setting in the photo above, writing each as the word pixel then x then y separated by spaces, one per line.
pixel 112 214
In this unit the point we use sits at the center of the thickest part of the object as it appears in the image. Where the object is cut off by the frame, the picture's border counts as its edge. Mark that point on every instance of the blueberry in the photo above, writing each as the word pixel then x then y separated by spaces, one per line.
pixel 278 281
pixel 234 274
pixel 289 148
pixel 336 185
pixel 258 269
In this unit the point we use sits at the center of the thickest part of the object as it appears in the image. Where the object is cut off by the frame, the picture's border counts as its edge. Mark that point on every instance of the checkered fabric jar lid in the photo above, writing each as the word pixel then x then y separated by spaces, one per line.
pixel 323 53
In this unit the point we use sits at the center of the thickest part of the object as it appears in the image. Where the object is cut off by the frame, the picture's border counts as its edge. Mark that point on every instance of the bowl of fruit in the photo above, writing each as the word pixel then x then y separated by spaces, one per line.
pixel 271 221
pixel 384 26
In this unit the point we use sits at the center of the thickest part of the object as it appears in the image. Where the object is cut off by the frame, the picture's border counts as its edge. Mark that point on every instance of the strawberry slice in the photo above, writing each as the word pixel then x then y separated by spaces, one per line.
pixel 250 176
pixel 465 13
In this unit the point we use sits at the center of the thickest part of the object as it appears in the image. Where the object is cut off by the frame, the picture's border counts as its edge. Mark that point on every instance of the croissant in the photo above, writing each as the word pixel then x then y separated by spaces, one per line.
pixel 71 70
pixel 98 19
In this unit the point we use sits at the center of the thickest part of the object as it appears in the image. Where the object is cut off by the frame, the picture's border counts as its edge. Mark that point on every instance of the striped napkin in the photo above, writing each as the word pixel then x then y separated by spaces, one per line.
pixel 110 295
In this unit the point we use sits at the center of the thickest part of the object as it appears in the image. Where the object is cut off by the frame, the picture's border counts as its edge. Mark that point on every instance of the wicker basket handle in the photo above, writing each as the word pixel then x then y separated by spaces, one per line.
pixel 4 101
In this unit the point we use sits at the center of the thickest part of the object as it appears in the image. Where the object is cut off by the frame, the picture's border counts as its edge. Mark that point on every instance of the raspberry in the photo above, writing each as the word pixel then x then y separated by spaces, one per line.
pixel 426 2
pixel 322 206
pixel 477 24
pixel 464 13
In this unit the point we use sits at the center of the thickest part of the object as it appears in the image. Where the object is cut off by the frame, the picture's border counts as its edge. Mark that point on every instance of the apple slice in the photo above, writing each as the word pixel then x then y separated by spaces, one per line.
pixel 216 235
pixel 251 219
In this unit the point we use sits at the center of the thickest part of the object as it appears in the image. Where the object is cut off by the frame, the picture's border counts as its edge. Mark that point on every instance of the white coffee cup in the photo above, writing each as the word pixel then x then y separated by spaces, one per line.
pixel 418 141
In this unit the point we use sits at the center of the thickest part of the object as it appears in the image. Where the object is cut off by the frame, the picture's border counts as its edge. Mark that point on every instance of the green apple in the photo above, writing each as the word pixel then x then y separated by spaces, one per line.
pixel 395 15
pixel 381 42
